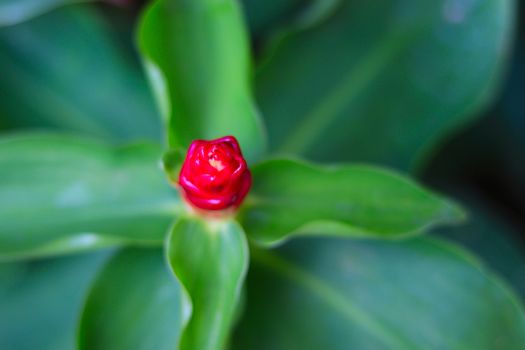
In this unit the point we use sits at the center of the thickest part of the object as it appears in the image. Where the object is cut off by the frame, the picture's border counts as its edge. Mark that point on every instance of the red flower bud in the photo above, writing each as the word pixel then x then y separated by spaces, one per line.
pixel 214 175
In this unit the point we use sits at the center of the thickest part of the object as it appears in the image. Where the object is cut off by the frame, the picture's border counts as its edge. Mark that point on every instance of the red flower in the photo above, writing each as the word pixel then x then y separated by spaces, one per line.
pixel 214 175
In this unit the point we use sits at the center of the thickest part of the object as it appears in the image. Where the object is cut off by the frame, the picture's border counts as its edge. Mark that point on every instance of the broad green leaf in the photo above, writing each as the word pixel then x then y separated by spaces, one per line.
pixel 263 16
pixel 278 17
pixel 135 303
pixel 383 81
pixel 292 198
pixel 273 22
pixel 342 294
pixel 41 300
pixel 210 259
pixel 197 56
pixel 15 11
pixel 60 193
pixel 495 240
pixel 67 70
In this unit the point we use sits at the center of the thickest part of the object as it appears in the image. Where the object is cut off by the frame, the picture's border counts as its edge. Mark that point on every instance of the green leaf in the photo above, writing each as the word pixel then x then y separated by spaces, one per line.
pixel 135 303
pixel 210 259
pixel 67 70
pixel 383 81
pixel 60 194
pixel 494 238
pixel 263 16
pixel 273 20
pixel 291 198
pixel 172 161
pixel 278 17
pixel 197 56
pixel 41 300
pixel 15 11
pixel 342 294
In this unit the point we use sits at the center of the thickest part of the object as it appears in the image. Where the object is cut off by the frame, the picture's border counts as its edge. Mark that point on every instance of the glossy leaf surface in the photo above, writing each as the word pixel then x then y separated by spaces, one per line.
pixel 60 193
pixel 292 198
pixel 67 70
pixel 342 294
pixel 197 56
pixel 41 300
pixel 135 303
pixel 210 260
pixel 383 81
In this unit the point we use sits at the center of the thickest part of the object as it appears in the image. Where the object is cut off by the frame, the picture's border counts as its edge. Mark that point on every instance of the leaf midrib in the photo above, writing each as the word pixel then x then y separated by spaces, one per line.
pixel 351 86
pixel 333 298
pixel 53 101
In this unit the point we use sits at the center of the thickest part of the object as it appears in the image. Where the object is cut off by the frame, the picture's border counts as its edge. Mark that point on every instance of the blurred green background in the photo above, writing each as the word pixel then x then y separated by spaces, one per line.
pixel 76 68
pixel 435 89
